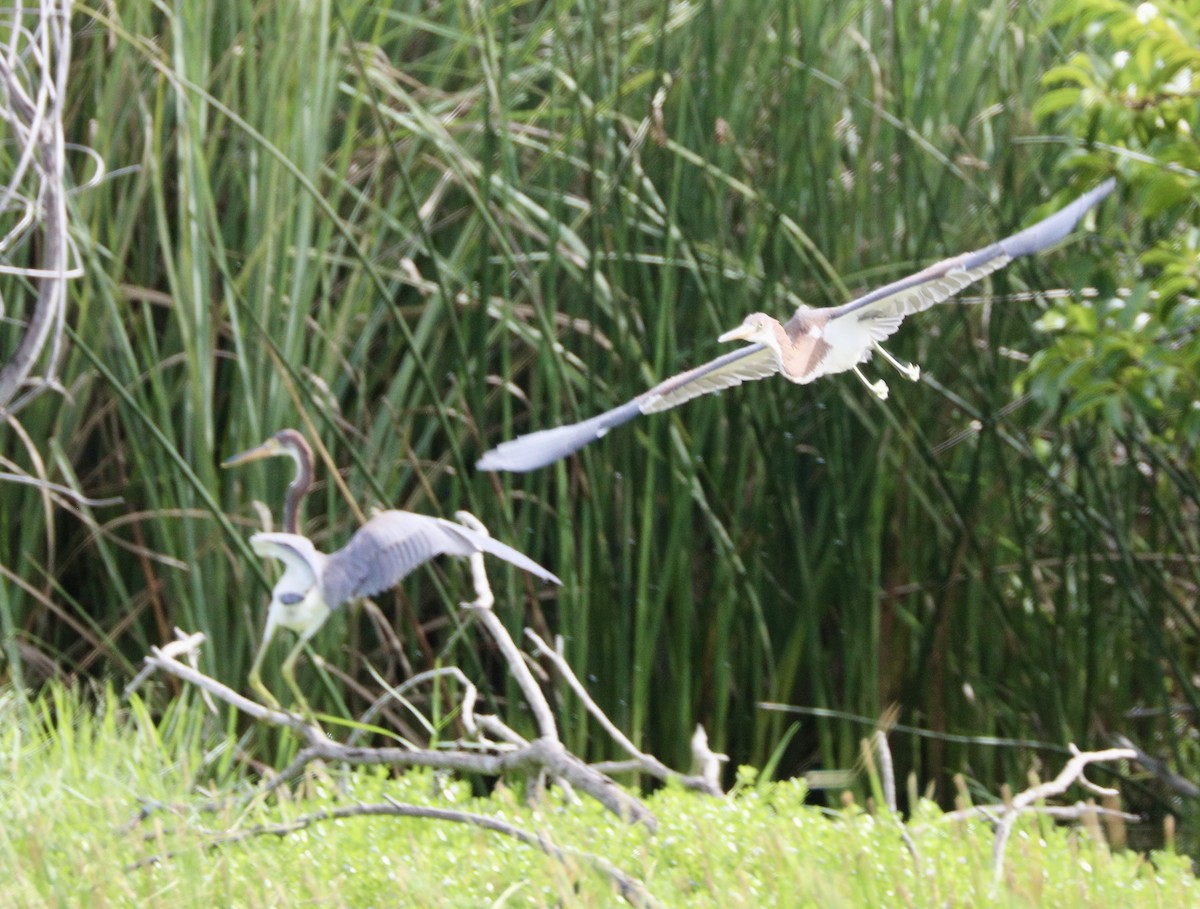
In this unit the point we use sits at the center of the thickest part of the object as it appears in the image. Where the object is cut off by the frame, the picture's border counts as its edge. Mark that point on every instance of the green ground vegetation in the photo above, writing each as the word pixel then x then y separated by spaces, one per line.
pixel 109 807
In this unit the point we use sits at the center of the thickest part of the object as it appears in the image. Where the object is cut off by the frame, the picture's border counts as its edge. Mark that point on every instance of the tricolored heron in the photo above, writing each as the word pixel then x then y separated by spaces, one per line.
pixel 379 555
pixel 813 343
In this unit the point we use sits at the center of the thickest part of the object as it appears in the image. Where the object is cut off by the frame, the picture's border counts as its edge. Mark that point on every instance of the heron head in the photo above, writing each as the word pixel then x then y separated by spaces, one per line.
pixel 757 328
pixel 285 443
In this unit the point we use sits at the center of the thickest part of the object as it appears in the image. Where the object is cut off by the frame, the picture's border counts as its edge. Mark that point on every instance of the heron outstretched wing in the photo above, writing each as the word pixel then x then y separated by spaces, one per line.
pixel 746 364
pixel 884 309
pixel 537 449
pixel 392 544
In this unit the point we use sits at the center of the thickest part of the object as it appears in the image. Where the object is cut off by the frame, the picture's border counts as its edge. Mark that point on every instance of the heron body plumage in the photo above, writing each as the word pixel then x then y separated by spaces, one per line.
pixel 813 343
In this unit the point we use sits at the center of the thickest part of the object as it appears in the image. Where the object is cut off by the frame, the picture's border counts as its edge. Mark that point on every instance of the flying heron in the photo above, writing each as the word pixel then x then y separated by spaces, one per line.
pixel 813 343
pixel 384 551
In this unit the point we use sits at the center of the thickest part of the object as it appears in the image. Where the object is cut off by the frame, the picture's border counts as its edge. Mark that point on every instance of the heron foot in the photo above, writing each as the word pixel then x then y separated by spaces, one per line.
pixel 288 671
pixel 879 388
pixel 910 371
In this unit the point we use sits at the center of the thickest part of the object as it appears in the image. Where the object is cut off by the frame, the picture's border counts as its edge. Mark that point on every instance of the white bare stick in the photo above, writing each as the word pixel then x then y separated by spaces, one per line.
pixel 887 773
pixel 188 644
pixel 396 692
pixel 706 763
pixel 160 659
pixel 481 608
pixel 706 781
pixel 1058 812
pixel 1070 773
pixel 887 779
pixel 544 753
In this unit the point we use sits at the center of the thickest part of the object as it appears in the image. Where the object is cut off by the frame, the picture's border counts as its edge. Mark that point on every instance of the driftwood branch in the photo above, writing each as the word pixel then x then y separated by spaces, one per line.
pixel 542 754
pixel 1070 774
pixel 490 747
pixel 481 608
pixel 707 777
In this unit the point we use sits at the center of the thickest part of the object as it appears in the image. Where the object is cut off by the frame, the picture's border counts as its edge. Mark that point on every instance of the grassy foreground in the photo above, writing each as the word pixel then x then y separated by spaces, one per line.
pixel 87 796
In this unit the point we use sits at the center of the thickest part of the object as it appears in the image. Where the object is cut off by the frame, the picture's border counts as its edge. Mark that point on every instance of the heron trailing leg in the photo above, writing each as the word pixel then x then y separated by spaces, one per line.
pixel 288 670
pixel 879 389
pixel 910 371
pixel 255 678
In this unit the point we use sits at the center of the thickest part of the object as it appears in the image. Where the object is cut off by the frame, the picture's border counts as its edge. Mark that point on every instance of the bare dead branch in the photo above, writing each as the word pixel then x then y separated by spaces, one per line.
pixel 1071 773
pixel 1057 812
pixel 542 754
pixel 707 781
pixel 481 608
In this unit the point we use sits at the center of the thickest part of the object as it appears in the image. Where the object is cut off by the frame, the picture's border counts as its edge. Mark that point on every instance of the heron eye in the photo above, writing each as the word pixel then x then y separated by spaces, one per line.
pixel 290 599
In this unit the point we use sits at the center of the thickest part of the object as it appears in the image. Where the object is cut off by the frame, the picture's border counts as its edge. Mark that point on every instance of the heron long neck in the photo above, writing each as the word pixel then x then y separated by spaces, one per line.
pixel 299 486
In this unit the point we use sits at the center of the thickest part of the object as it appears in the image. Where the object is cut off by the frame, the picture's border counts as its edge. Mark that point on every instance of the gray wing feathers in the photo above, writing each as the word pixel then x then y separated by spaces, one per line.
pixel 538 449
pixel 392 544
pixel 478 542
pixel 1050 230
pixel 941 281
pixel 755 361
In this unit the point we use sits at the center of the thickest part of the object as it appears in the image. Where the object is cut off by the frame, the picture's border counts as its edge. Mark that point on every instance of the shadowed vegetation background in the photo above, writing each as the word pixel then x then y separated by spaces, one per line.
pixel 414 230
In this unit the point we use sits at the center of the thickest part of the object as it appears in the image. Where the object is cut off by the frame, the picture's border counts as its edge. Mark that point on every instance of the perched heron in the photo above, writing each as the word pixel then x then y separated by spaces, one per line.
pixel 813 343
pixel 384 551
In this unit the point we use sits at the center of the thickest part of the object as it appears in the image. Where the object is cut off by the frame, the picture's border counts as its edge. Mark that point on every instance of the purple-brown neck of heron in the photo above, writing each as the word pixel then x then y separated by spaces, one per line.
pixel 297 447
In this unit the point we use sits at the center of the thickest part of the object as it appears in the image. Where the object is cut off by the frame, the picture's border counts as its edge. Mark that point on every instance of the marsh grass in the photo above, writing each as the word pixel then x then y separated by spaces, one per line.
pixel 416 230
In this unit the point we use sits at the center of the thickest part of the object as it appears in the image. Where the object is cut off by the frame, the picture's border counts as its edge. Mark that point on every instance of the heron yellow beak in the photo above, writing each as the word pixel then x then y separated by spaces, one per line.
pixel 267 449
pixel 742 333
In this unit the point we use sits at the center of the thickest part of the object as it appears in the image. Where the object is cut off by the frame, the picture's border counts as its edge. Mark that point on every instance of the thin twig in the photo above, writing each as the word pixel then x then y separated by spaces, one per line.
pixel 642 762
pixel 481 608
pixel 1057 812
pixel 164 661
pixel 887 779
pixel 1072 772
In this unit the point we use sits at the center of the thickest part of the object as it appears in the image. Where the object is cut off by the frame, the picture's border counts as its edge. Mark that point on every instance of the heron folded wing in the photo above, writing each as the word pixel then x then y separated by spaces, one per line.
pixel 944 279
pixel 754 361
